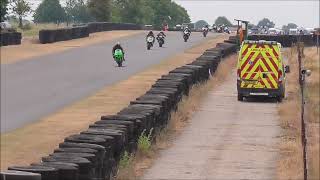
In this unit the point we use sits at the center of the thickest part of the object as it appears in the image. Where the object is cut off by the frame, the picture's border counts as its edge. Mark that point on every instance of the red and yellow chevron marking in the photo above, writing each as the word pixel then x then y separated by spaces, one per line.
pixel 259 64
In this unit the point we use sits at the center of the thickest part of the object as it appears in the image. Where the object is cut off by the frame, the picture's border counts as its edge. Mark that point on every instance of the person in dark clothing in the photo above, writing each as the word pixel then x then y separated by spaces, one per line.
pixel 187 30
pixel 151 34
pixel 161 34
pixel 117 46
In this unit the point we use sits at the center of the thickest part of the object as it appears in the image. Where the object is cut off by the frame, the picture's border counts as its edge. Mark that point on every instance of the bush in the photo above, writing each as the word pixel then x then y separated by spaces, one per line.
pixel 144 142
pixel 125 160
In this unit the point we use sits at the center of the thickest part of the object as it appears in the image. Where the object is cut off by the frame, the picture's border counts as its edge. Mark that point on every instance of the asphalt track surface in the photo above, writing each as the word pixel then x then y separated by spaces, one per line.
pixel 35 88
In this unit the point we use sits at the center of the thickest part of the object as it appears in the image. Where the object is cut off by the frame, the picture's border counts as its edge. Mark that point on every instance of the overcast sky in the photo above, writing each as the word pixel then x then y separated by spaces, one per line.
pixel 303 13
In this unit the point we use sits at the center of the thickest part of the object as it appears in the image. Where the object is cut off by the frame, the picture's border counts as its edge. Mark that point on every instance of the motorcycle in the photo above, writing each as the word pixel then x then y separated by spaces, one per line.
pixel 160 40
pixel 118 57
pixel 219 29
pixel 150 40
pixel 226 30
pixel 186 36
pixel 214 28
pixel 205 32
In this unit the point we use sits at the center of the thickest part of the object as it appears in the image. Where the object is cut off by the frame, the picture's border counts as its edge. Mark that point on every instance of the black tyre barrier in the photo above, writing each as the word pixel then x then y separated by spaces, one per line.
pixel 62 34
pixel 85 167
pixel 184 70
pixel 203 71
pixel 152 105
pixel 147 116
pixel 115 139
pixel 228 48
pixel 67 171
pixel 132 123
pixel 173 94
pixel 183 78
pixel 47 173
pixel 94 154
pixel 103 153
pixel 72 147
pixel 19 175
pixel 287 40
pixel 96 163
pixel 172 100
pixel 10 38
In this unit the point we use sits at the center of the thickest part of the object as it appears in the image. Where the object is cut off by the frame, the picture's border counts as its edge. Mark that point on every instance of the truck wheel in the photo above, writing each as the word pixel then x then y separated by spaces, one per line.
pixel 240 97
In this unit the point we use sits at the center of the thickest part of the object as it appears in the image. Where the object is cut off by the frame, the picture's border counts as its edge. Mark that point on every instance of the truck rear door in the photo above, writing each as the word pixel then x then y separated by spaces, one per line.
pixel 258 66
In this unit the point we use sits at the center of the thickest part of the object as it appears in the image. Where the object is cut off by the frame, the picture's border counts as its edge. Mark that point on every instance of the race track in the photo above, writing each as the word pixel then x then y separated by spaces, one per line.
pixel 35 88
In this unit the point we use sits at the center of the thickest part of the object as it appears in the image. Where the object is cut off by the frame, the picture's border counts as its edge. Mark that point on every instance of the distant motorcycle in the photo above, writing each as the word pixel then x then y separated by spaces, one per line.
pixel 160 40
pixel 186 35
pixel 226 30
pixel 219 29
pixel 150 40
pixel 205 32
pixel 214 28
pixel 118 57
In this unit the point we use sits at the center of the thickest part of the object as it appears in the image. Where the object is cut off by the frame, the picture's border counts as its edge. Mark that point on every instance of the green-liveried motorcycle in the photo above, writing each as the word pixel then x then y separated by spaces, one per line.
pixel 118 57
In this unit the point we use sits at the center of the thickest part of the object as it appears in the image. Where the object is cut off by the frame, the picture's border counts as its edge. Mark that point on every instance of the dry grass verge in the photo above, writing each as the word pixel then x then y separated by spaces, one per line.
pixel 179 119
pixel 31 48
pixel 23 146
pixel 290 165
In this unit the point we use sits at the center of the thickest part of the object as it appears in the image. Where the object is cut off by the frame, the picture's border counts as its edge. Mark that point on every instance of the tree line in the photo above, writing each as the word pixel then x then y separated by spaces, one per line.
pixel 265 22
pixel 153 12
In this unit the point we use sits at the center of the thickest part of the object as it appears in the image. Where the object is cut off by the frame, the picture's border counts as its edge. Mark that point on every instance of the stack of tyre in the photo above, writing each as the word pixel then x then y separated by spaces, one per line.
pixel 10 38
pixel 94 153
pixel 286 40
pixel 62 34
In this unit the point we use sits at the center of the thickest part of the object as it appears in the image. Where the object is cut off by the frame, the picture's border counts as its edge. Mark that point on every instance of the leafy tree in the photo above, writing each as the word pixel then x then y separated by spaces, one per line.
pixel 100 9
pixel 265 22
pixel 168 11
pixel 161 12
pixel 286 28
pixel 179 14
pixel 155 12
pixel 133 11
pixel 250 26
pixel 3 9
pixel 222 20
pixel 77 11
pixel 292 26
pixel 20 8
pixel 200 24
pixel 50 11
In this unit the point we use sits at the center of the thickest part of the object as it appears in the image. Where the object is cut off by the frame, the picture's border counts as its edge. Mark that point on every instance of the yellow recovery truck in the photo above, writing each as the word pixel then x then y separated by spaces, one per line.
pixel 261 70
